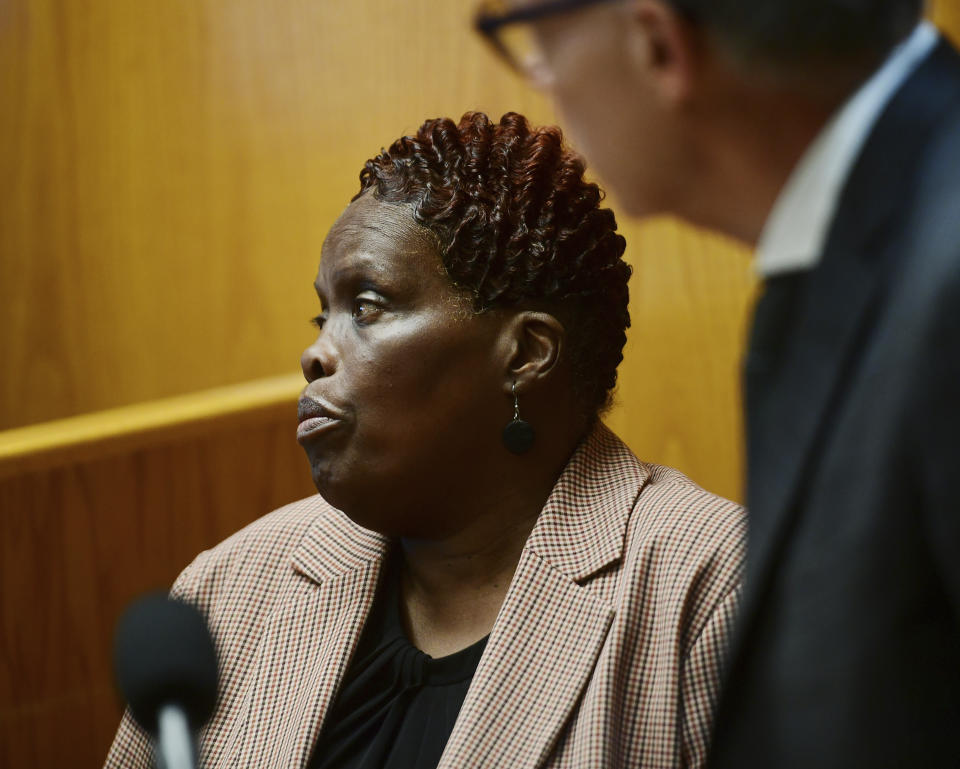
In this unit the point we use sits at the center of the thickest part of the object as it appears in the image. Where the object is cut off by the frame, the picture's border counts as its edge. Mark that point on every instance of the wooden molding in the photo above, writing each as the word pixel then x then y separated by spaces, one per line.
pixel 102 433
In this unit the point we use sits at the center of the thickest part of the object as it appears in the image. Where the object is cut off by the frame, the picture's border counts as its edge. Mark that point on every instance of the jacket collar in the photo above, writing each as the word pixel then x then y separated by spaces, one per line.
pixel 334 545
pixel 551 628
pixel 580 530
pixel 795 232
pixel 548 616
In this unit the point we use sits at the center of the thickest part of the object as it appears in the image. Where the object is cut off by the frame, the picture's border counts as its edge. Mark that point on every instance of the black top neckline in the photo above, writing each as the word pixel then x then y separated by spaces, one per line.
pixel 386 626
pixel 396 706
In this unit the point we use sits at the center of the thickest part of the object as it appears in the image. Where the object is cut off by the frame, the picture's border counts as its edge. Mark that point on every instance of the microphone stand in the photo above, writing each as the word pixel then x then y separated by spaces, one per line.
pixel 175 746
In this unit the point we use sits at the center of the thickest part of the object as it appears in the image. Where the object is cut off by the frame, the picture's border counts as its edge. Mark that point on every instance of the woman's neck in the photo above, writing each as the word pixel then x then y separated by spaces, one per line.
pixel 452 588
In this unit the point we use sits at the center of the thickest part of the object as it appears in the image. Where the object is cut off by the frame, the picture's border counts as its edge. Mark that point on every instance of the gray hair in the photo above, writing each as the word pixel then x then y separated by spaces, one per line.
pixel 790 35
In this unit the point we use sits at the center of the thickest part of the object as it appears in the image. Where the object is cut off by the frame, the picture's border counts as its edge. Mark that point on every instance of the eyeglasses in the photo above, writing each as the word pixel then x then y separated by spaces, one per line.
pixel 508 31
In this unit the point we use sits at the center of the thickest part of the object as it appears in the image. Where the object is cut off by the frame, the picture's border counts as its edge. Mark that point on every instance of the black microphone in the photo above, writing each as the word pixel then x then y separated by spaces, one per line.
pixel 166 668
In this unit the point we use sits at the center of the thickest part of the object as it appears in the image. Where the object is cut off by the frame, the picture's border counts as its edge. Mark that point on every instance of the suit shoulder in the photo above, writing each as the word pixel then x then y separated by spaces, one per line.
pixel 925 288
pixel 932 215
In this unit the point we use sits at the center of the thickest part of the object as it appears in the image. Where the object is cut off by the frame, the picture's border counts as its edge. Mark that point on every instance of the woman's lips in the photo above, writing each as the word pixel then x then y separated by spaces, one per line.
pixel 314 426
pixel 315 417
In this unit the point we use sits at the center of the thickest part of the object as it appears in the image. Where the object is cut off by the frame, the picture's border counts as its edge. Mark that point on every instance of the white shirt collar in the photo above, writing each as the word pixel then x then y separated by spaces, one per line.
pixel 794 233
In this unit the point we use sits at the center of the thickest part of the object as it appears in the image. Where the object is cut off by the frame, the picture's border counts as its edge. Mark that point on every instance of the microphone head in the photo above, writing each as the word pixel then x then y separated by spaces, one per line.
pixel 163 655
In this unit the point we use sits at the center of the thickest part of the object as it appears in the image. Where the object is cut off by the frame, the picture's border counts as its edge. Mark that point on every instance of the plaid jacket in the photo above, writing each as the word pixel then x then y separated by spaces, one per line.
pixel 606 651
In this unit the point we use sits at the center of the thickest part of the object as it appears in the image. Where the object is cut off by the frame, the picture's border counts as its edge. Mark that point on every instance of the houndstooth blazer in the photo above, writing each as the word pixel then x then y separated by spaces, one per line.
pixel 606 651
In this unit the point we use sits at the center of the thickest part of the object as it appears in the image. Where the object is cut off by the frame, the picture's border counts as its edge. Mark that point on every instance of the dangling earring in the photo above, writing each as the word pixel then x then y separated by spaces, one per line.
pixel 517 435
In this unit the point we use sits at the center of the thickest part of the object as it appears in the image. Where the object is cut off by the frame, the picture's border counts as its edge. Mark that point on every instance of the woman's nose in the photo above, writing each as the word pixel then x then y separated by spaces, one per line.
pixel 318 360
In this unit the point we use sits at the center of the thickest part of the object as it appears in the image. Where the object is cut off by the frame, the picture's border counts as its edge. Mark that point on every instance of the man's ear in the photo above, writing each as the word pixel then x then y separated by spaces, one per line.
pixel 668 49
pixel 534 342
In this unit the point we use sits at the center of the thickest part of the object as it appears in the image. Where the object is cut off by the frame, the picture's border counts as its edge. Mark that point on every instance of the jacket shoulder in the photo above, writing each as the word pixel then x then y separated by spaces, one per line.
pixel 688 544
pixel 672 506
pixel 259 553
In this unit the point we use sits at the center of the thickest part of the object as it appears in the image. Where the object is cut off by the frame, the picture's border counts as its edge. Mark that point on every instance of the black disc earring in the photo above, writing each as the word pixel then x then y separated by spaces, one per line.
pixel 517 435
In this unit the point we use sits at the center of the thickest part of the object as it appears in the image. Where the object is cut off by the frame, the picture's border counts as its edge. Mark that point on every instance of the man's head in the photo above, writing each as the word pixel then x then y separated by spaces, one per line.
pixel 796 38
pixel 670 97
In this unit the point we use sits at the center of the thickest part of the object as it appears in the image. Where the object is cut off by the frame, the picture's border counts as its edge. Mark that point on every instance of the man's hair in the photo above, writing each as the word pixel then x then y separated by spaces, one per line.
pixel 517 226
pixel 793 34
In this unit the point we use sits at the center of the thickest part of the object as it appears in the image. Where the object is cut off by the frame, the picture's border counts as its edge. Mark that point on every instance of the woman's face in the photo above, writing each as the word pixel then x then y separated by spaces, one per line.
pixel 404 396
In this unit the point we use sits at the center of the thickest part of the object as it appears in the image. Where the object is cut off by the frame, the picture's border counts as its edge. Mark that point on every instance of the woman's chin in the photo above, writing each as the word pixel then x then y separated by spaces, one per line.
pixel 379 517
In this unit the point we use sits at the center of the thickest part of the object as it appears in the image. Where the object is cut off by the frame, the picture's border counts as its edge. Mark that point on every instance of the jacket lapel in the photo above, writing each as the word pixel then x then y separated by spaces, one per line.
pixel 307 643
pixel 793 396
pixel 540 656
pixel 552 626
pixel 790 399
pixel 538 660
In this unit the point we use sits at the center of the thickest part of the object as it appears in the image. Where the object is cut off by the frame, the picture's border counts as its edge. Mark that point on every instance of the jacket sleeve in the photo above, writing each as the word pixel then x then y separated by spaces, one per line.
pixel 132 747
pixel 701 675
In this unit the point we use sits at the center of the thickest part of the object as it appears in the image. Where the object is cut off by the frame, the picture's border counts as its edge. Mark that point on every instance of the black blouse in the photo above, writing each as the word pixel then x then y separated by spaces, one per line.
pixel 397 706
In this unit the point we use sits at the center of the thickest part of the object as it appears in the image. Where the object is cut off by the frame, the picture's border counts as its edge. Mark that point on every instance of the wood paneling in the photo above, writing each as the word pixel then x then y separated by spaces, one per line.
pixel 80 540
pixel 946 14
pixel 168 170
pixel 678 395
pixel 129 428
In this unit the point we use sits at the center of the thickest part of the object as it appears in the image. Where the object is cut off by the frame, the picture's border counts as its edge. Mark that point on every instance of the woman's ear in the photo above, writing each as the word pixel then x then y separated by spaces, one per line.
pixel 535 342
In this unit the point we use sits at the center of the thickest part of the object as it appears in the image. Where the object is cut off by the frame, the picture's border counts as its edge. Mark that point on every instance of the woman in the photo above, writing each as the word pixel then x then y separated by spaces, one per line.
pixel 489 577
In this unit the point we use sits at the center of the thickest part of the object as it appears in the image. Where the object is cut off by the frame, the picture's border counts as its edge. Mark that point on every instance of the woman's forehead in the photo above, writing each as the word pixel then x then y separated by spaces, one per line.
pixel 373 222
pixel 372 237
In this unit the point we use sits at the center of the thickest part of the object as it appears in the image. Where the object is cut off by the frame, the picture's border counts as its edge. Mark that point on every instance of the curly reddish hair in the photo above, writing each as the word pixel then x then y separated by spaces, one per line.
pixel 517 226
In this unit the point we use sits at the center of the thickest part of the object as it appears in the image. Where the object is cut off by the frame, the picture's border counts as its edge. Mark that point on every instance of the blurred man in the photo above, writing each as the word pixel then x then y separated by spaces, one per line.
pixel 827 134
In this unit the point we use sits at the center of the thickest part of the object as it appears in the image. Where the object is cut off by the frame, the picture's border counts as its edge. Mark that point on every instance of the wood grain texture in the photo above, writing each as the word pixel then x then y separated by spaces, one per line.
pixel 80 541
pixel 126 429
pixel 678 395
pixel 168 171
pixel 946 14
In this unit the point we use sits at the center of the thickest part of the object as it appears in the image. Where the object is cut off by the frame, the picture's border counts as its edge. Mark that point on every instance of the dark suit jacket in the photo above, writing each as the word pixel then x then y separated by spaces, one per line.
pixel 848 649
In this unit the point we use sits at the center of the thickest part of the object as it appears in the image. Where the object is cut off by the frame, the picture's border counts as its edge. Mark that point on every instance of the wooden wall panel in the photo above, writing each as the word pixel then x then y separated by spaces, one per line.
pixel 80 541
pixel 946 14
pixel 678 394
pixel 168 170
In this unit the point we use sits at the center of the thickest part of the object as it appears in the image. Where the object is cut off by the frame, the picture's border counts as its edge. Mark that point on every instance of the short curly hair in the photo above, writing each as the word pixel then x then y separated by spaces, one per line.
pixel 517 226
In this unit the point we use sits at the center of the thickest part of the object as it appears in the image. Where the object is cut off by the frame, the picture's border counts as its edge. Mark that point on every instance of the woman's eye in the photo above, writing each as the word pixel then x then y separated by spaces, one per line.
pixel 365 309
